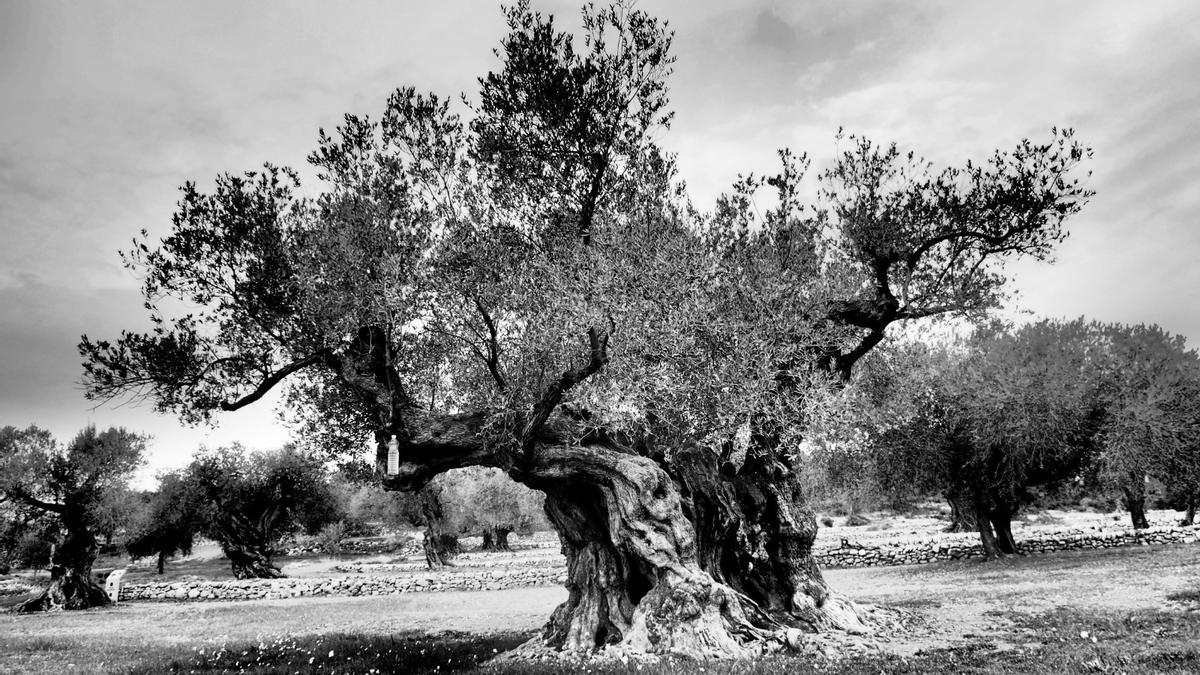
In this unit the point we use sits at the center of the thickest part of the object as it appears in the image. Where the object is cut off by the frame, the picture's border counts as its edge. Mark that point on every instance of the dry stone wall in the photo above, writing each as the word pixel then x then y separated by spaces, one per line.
pixel 849 553
pixel 359 584
pixel 543 570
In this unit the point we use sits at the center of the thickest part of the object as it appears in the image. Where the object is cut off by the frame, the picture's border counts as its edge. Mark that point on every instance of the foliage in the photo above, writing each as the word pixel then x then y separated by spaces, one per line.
pixel 1151 395
pixel 258 498
pixel 994 414
pixel 490 258
pixel 171 521
pixel 1012 408
pixel 33 549
pixel 533 291
pixel 364 504
pixel 330 538
pixel 72 481
pixel 477 498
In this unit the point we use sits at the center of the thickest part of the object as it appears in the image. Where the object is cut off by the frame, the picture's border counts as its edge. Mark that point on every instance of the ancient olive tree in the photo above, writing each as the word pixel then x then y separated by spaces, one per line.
pixel 70 483
pixel 487 502
pixel 533 292
pixel 249 502
pixel 983 419
pixel 1150 388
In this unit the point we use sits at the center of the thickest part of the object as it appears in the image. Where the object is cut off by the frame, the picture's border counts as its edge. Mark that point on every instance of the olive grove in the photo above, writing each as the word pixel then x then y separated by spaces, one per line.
pixel 530 289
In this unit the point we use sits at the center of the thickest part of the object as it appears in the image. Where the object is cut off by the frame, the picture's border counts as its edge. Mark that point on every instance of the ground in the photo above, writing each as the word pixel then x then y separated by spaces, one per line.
pixel 962 615
pixel 1134 610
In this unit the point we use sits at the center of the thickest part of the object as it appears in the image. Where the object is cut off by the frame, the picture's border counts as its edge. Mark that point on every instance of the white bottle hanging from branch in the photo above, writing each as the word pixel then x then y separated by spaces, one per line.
pixel 393 461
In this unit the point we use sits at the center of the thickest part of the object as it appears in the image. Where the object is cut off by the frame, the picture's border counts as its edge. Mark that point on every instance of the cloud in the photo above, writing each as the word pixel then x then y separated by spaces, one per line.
pixel 120 103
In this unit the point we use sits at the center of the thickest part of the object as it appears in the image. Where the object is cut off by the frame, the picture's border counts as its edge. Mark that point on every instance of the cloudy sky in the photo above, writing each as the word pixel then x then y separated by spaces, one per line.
pixel 109 106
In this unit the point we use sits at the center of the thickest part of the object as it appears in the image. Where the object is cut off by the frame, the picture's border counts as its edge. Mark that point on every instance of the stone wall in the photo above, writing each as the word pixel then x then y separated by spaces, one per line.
pixel 359 584
pixel 849 553
pixel 367 579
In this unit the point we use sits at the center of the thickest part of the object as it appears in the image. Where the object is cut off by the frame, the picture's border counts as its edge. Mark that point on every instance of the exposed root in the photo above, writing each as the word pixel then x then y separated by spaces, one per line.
pixel 884 625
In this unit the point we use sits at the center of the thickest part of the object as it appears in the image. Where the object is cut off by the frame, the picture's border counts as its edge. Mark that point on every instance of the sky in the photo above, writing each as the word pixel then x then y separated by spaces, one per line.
pixel 108 107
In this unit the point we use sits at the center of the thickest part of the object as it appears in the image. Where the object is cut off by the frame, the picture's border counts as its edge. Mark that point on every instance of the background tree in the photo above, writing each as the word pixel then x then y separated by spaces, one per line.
pixel 367 507
pixel 487 502
pixel 70 484
pixel 115 515
pixel 534 293
pixel 1151 385
pixel 19 521
pixel 171 520
pixel 440 540
pixel 249 502
pixel 985 419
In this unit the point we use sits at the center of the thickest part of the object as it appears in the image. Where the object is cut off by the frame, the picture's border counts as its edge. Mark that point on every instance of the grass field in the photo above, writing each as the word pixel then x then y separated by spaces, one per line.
pixel 1133 610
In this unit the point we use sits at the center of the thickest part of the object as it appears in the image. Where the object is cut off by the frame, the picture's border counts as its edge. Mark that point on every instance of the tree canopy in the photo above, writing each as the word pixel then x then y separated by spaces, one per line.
pixel 72 484
pixel 532 290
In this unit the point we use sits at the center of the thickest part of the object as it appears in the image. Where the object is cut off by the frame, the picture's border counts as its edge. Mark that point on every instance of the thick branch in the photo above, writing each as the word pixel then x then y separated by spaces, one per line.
pixel 52 507
pixel 597 358
pixel 844 363
pixel 273 379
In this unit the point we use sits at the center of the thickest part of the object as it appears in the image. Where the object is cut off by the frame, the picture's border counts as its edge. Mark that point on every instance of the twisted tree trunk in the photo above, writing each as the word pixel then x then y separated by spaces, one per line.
pixel 440 546
pixel 1133 497
pixel 251 561
pixel 664 554
pixel 1000 517
pixel 633 575
pixel 962 511
pixel 246 544
pixel 987 536
pixel 756 535
pixel 71 582
pixel 495 538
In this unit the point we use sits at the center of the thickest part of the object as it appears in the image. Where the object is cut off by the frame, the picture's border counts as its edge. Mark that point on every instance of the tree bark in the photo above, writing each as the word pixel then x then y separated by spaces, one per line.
pixel 1134 499
pixel 962 512
pixel 755 534
pixel 71 582
pixel 1189 514
pixel 633 576
pixel 1001 519
pixel 251 561
pixel 162 561
pixel 440 546
pixel 987 536
pixel 495 538
pixel 666 552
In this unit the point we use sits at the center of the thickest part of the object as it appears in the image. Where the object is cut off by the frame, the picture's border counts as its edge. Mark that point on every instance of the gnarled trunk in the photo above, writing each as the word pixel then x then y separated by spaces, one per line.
pixel 987 536
pixel 962 511
pixel 756 535
pixel 245 542
pixel 1133 497
pixel 250 561
pixel 71 582
pixel 441 547
pixel 633 577
pixel 664 554
pixel 1189 513
pixel 1001 519
pixel 495 538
